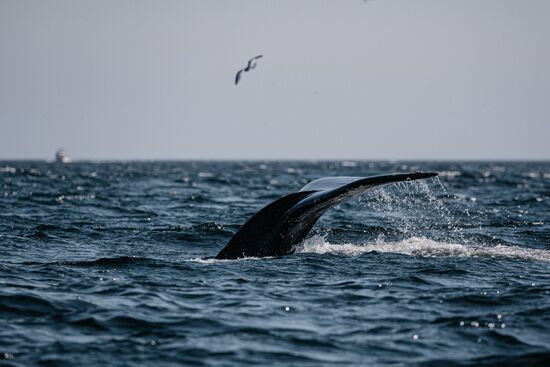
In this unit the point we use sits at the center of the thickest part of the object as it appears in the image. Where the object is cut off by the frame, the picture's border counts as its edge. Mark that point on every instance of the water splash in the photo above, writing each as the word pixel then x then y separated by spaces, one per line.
pixel 420 209
pixel 421 246
pixel 425 209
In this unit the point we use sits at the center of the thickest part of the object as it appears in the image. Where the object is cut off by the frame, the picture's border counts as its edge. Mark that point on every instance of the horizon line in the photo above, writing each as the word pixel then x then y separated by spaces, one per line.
pixel 323 159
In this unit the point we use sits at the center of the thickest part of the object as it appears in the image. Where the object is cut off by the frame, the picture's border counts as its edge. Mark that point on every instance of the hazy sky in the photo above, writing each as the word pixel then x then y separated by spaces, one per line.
pixel 344 79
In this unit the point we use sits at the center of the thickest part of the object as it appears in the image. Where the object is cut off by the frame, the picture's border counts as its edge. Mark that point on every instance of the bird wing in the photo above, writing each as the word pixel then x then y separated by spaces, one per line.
pixel 238 76
pixel 250 65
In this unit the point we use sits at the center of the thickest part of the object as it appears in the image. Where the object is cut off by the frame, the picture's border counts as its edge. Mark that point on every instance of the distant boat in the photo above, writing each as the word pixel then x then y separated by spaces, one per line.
pixel 61 157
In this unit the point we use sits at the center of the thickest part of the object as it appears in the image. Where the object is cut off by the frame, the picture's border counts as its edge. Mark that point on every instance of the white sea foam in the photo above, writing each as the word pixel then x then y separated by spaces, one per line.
pixel 421 246
pixel 205 174
pixel 449 173
pixel 8 169
pixel 212 260
pixel 349 164
pixel 203 260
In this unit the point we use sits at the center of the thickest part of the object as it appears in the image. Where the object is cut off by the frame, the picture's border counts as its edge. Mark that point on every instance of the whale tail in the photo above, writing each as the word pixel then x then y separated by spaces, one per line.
pixel 277 228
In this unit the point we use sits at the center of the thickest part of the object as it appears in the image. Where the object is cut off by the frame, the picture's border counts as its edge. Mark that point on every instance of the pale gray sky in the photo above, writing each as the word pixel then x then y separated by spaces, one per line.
pixel 341 79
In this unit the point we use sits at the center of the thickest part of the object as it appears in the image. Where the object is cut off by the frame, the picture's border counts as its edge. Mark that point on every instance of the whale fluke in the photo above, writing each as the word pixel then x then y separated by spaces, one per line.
pixel 277 228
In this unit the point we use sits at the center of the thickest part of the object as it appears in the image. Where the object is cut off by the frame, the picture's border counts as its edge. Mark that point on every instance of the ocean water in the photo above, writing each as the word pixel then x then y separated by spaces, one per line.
pixel 112 264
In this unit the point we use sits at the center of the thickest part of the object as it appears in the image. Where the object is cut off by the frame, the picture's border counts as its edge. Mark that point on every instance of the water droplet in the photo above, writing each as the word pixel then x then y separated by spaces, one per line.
pixel 287 308
pixel 415 337
pixel 491 325
pixel 379 285
pixel 461 323
pixel 503 325
pixel 499 316
pixel 153 342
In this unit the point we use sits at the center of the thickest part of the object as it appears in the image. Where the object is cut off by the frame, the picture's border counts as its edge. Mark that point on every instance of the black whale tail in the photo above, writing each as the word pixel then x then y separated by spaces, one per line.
pixel 280 226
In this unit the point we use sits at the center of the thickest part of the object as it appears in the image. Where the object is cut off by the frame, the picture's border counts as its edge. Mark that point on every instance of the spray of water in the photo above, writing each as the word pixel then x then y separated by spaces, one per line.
pixel 417 209
pixel 430 224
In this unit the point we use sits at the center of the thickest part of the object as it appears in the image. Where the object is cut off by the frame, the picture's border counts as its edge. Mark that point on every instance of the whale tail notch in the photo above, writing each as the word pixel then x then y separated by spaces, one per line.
pixel 277 228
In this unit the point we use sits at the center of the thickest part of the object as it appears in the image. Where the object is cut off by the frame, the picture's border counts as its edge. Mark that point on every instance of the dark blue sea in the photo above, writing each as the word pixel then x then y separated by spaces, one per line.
pixel 111 264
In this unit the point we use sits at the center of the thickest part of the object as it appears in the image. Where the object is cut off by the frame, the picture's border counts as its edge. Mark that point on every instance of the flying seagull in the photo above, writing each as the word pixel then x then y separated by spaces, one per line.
pixel 251 65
